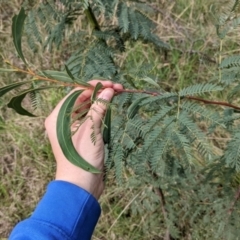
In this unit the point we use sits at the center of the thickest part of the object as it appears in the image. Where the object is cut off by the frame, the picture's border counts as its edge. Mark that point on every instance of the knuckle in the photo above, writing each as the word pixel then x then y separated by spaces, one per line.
pixel 99 108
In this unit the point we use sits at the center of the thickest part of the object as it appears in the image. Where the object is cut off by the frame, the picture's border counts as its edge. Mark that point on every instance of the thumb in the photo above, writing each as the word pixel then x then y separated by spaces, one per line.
pixel 98 109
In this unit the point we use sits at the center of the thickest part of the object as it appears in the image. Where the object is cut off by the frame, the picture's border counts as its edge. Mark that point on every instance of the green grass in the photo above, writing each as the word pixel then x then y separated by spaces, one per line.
pixel 27 164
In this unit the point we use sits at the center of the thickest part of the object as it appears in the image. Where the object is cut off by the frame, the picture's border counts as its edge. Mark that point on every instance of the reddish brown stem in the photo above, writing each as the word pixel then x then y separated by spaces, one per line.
pixel 30 72
pixel 188 97
pixel 213 102
pixel 138 91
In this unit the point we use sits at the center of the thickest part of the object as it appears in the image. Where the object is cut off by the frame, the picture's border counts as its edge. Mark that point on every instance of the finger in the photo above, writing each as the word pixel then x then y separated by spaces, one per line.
pixel 88 93
pixel 97 110
pixel 83 97
pixel 51 119
pixel 106 83
pixel 117 86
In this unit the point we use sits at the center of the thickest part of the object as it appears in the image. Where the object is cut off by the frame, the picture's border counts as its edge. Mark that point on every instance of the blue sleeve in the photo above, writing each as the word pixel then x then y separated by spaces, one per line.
pixel 66 212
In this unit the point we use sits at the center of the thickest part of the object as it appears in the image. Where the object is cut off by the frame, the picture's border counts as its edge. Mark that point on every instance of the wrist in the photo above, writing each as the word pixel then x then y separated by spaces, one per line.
pixel 92 183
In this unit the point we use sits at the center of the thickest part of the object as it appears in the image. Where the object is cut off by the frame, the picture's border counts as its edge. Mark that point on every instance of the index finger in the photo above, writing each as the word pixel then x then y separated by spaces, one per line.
pixel 88 92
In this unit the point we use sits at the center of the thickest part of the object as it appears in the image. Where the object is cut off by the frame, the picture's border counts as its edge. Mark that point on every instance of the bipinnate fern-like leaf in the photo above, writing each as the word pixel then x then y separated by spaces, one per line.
pixel 134 107
pixel 35 97
pixel 123 17
pixel 94 58
pixel 160 148
pixel 138 25
pixel 226 16
pixel 229 76
pixel 183 143
pixel 232 153
pixel 235 91
pixel 232 61
pixel 138 125
pixel 200 88
pixel 34 36
pixel 197 135
pixel 161 113
pixel 157 99
pixel 201 112
pixel 152 137
pixel 97 62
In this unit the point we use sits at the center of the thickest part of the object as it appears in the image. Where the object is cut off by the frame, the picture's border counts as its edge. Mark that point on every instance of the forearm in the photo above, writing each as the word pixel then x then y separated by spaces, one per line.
pixel 66 211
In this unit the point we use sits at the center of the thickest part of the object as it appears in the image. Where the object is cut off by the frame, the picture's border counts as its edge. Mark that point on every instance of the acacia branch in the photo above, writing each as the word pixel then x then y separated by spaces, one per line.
pixel 39 77
pixel 213 102
pixel 187 97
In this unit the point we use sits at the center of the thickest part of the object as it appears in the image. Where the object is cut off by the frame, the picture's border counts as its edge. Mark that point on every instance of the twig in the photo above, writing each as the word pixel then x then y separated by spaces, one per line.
pixel 153 93
pixel 187 97
pixel 138 91
pixel 160 193
pixel 213 102
pixel 236 198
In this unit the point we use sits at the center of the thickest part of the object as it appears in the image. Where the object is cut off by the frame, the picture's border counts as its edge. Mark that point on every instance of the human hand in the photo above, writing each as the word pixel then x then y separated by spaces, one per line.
pixel 93 153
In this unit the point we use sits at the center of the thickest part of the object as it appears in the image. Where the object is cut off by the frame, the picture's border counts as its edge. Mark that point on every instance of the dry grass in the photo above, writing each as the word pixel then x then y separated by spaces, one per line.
pixel 27 163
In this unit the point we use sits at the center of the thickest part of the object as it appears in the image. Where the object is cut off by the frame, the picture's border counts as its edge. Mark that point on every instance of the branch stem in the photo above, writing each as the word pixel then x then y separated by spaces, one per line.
pixel 153 93
pixel 236 198
pixel 159 192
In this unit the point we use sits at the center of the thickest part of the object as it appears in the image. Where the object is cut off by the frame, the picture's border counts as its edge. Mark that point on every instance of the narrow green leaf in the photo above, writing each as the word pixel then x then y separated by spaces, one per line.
pixel 150 81
pixel 8 88
pixel 107 127
pixel 64 134
pixel 8 70
pixel 16 102
pixel 69 72
pixel 95 91
pixel 63 77
pixel 57 75
pixel 134 107
pixel 17 29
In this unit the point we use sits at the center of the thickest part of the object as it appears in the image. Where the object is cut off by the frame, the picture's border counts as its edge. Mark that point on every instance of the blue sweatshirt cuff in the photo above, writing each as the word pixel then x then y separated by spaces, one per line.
pixel 65 210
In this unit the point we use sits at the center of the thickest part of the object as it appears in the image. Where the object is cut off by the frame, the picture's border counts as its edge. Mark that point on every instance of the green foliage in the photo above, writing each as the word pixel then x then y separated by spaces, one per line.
pixel 156 139
pixel 200 89
pixel 65 137
pixel 227 19
pixel 17 28
pixel 232 153
pixel 16 102
pixel 10 87
pixel 107 126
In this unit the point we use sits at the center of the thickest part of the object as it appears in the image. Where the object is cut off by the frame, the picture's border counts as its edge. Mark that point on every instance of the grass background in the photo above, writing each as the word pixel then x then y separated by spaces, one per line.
pixel 27 163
